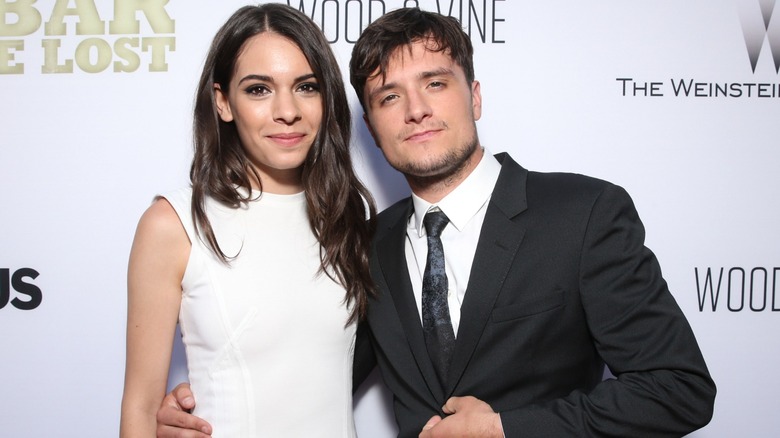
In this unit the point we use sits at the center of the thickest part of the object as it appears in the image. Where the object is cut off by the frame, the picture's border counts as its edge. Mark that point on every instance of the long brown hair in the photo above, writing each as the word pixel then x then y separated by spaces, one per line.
pixel 338 205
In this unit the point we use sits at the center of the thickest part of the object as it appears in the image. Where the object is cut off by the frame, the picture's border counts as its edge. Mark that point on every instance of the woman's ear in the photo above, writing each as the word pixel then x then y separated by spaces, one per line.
pixel 223 105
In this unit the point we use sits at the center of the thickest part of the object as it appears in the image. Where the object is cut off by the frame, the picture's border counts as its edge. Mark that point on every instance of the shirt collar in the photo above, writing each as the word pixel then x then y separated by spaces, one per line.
pixel 465 201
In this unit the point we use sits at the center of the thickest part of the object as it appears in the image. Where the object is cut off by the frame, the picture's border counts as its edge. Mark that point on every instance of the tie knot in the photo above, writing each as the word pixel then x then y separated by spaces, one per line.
pixel 434 222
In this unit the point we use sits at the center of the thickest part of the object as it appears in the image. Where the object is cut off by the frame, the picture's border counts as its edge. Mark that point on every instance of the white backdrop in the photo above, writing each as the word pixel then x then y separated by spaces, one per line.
pixel 677 101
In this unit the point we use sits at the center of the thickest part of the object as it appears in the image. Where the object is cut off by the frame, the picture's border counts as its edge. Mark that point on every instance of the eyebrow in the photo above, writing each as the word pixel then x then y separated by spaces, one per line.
pixel 443 71
pixel 266 78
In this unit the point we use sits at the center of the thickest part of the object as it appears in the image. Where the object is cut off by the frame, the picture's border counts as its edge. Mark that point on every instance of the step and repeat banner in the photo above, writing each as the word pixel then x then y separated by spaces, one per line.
pixel 677 101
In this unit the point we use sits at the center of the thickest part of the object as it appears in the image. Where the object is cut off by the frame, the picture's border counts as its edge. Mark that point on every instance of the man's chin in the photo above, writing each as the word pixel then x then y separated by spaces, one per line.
pixel 430 174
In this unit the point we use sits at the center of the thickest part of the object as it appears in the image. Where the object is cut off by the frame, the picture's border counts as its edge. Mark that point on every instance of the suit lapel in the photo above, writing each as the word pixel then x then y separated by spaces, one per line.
pixel 392 260
pixel 499 242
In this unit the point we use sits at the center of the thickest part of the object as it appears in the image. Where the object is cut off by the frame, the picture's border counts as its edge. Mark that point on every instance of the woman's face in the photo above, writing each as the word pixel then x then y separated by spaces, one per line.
pixel 275 102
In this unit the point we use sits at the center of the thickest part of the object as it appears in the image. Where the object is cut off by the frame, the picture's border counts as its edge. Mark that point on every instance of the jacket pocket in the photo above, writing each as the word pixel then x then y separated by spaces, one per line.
pixel 529 307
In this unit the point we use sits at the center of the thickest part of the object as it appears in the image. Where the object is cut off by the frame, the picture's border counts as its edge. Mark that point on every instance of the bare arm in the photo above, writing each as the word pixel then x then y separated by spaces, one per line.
pixel 157 261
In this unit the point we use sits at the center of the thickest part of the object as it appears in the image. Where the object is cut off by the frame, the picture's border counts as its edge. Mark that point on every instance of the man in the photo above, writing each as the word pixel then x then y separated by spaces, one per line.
pixel 500 324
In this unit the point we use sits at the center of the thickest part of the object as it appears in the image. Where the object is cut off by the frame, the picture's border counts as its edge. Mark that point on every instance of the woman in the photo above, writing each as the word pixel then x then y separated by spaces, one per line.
pixel 264 260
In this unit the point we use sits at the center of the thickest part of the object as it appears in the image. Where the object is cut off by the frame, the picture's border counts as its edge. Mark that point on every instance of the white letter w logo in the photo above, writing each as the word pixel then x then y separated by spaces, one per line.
pixel 757 26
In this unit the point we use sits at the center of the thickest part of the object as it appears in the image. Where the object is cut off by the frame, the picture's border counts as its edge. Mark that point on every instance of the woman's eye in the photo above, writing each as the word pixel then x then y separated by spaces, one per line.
pixel 309 87
pixel 257 90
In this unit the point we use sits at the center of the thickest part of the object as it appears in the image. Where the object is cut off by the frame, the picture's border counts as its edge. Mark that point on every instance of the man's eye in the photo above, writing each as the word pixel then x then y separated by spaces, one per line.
pixel 389 98
pixel 436 84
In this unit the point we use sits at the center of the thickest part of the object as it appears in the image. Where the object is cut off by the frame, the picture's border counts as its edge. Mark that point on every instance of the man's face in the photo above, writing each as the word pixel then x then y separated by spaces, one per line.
pixel 423 114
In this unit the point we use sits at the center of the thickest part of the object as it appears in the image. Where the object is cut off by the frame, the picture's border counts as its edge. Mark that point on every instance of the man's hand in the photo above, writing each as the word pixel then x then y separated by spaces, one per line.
pixel 468 417
pixel 173 420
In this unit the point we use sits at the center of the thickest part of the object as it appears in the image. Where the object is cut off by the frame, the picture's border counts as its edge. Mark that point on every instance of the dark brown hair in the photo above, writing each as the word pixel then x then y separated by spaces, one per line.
pixel 338 205
pixel 401 28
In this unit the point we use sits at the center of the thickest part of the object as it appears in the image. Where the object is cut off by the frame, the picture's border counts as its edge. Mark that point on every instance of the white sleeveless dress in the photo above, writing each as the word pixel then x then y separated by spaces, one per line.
pixel 267 349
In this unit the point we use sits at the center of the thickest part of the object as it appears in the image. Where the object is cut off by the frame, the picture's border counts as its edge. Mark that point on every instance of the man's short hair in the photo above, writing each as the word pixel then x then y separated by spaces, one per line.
pixel 401 28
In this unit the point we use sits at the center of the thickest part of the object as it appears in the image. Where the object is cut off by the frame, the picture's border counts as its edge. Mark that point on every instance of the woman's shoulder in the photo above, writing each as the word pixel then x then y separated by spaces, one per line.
pixel 161 245
pixel 181 197
pixel 160 220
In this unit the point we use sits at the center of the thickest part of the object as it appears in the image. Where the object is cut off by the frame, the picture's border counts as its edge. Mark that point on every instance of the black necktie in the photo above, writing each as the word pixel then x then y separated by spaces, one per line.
pixel 439 336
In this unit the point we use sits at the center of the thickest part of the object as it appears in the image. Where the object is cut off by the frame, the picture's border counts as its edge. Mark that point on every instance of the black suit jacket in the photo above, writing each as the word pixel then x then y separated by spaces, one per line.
pixel 560 284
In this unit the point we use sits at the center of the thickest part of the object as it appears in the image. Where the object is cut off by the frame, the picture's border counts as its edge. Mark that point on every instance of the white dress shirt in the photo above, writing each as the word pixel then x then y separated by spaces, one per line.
pixel 465 207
